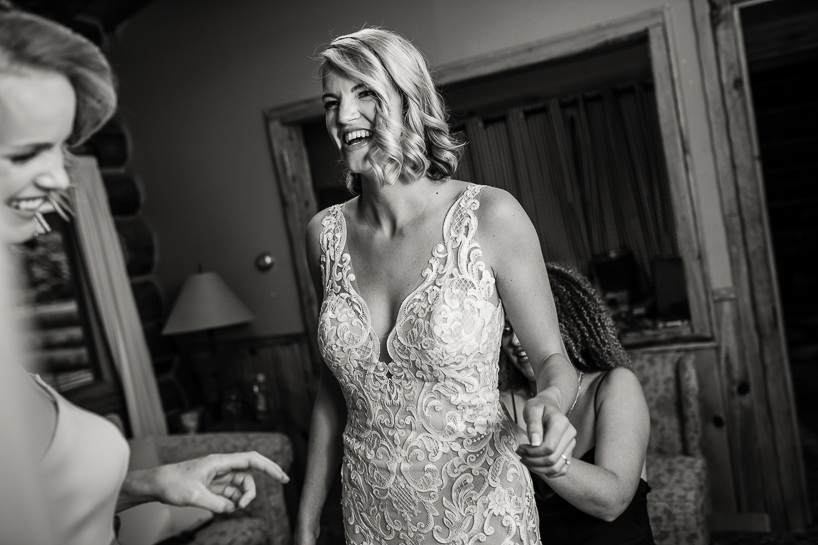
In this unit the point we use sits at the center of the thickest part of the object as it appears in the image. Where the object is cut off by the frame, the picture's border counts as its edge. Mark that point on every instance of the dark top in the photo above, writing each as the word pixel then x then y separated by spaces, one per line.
pixel 563 524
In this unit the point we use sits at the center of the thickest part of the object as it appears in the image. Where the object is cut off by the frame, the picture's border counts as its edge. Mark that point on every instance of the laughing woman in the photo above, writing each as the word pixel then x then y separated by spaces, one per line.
pixel 416 275
pixel 56 89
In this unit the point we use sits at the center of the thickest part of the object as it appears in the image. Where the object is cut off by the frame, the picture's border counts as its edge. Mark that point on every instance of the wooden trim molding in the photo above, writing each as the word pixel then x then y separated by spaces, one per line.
pixel 550 48
pixel 757 339
pixel 677 156
pixel 298 200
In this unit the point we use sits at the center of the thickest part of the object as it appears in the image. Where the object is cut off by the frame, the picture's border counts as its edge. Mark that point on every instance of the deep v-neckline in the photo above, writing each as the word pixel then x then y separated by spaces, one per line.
pixel 353 285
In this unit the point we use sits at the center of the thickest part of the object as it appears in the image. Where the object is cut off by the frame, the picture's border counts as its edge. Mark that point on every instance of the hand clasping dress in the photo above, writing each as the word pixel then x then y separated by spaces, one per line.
pixel 429 454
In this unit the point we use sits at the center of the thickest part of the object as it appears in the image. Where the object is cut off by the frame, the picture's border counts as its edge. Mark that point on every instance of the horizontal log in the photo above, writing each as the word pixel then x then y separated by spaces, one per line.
pixel 53 315
pixel 63 337
pixel 159 346
pixel 109 145
pixel 64 359
pixel 138 248
pixel 124 194
pixel 148 300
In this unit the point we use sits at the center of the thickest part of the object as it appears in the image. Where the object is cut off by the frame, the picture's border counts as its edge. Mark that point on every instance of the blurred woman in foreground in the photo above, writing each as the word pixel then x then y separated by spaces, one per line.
pixel 56 89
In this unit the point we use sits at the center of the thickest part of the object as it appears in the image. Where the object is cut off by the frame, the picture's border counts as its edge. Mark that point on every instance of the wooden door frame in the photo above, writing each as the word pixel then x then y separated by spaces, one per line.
pixel 294 180
pixel 754 299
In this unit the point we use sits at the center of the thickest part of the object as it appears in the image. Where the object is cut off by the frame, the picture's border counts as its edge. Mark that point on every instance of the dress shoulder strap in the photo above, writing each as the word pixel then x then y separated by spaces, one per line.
pixel 333 240
pixel 460 239
pixel 461 222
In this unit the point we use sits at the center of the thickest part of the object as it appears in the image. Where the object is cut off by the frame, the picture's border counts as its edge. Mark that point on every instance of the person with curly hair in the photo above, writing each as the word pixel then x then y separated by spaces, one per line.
pixel 603 499
pixel 413 299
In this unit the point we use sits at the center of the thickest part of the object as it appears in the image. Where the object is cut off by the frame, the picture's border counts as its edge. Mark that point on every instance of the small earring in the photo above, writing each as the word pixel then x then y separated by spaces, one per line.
pixel 42 225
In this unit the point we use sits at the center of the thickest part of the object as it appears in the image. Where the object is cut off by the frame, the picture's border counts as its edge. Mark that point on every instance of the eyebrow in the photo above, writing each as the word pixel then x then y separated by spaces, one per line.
pixel 332 95
pixel 28 148
pixel 36 147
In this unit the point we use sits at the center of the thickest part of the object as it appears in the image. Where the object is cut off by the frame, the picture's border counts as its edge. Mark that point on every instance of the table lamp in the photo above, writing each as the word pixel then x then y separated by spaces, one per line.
pixel 204 304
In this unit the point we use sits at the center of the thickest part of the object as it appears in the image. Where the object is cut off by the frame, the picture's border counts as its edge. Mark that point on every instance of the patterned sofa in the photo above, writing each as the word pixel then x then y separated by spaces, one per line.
pixel 263 522
pixel 677 471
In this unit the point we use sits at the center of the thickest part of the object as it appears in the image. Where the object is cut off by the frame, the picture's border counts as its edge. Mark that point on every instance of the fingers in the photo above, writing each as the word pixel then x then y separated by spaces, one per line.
pixel 558 431
pixel 246 489
pixel 533 416
pixel 552 454
pixel 238 487
pixel 550 466
pixel 216 502
pixel 224 463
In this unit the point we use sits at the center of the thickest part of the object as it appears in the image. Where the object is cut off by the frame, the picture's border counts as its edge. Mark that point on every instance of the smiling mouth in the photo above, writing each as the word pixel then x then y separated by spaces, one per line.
pixel 31 204
pixel 357 137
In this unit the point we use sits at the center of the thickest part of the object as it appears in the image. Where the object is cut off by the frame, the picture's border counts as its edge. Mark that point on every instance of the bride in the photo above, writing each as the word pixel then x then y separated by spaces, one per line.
pixel 416 274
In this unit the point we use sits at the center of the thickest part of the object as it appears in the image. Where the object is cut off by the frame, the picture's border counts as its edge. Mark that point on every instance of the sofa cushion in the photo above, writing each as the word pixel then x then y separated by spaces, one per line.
pixel 677 503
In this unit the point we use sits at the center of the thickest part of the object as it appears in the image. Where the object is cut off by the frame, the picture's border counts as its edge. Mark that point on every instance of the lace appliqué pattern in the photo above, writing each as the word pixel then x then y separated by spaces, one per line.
pixel 429 454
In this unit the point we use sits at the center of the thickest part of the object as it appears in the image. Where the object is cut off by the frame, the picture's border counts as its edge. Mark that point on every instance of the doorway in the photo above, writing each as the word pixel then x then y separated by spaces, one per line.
pixel 781 45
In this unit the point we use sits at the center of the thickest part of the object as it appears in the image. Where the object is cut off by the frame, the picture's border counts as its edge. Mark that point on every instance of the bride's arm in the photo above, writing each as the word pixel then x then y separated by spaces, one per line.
pixel 512 249
pixel 328 420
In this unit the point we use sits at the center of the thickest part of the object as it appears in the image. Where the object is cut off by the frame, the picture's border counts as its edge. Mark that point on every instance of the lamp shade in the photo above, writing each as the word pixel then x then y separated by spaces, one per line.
pixel 205 302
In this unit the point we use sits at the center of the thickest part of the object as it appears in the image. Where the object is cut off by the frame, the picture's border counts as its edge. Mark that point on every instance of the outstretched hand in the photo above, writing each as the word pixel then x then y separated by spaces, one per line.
pixel 551 438
pixel 221 483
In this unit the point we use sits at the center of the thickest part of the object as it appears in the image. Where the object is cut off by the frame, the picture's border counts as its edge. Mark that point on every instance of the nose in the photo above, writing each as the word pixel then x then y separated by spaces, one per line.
pixel 348 111
pixel 53 176
pixel 515 342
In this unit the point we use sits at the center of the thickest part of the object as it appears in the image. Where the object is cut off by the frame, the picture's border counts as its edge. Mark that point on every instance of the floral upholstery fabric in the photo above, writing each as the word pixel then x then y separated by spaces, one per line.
pixel 677 502
pixel 265 520
pixel 677 471
pixel 672 393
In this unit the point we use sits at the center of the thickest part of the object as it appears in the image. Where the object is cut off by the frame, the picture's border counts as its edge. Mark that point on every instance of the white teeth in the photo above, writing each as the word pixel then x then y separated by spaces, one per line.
pixel 27 205
pixel 353 135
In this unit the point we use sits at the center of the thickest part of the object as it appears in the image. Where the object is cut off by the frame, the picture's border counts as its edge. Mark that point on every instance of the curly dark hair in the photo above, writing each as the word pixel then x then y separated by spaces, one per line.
pixel 587 330
pixel 586 327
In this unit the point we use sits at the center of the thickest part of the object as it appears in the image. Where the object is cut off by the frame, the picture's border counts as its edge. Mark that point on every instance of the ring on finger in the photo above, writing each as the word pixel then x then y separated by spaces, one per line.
pixel 567 460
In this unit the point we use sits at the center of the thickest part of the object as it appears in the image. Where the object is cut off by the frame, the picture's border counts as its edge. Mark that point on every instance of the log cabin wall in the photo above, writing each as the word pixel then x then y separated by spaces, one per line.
pixel 111 147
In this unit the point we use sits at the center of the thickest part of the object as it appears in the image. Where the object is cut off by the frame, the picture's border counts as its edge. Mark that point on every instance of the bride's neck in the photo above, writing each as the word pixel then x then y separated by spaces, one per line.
pixel 393 207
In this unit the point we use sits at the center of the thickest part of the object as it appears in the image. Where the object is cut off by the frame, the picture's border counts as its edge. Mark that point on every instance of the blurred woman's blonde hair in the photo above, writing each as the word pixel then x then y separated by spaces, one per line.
pixel 383 60
pixel 29 42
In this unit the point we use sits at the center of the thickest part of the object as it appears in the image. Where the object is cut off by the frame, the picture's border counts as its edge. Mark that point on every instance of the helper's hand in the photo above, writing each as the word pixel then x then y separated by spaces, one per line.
pixel 221 483
pixel 550 436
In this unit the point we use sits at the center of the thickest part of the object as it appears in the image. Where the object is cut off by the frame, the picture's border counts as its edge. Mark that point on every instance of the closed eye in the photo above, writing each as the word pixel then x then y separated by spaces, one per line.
pixel 24 157
pixel 30 153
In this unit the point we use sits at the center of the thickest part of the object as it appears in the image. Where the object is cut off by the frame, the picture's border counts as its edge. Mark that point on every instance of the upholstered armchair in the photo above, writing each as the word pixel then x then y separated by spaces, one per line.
pixel 677 471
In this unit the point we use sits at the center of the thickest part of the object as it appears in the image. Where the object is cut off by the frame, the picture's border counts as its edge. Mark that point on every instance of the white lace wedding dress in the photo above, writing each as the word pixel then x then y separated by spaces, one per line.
pixel 428 451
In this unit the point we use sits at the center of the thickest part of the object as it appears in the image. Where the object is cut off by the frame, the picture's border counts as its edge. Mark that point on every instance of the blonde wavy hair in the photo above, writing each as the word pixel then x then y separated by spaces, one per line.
pixel 383 60
pixel 30 42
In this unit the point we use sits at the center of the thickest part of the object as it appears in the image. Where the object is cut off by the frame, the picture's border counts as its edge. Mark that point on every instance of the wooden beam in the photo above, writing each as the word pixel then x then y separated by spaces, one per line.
pixel 757 341
pixel 677 157
pixel 298 200
pixel 550 48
